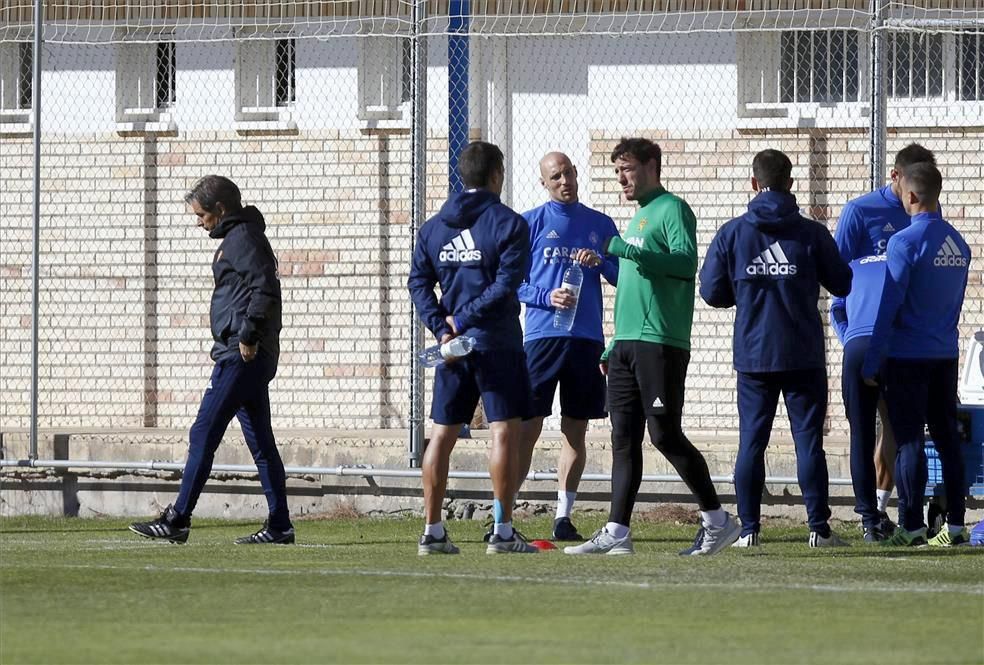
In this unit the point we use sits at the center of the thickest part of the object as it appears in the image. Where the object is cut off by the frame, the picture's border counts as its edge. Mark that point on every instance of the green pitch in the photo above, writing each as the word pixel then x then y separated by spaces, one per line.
pixel 355 591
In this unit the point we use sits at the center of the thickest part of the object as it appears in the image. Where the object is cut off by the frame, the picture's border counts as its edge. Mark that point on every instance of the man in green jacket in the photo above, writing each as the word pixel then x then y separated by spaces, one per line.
pixel 648 357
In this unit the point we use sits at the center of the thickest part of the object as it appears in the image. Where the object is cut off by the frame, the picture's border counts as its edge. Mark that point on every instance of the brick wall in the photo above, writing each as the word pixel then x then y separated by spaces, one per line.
pixel 125 273
pixel 125 276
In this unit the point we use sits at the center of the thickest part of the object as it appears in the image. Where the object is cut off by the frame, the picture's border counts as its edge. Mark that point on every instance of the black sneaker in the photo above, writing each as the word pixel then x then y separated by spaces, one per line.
pixel 489 524
pixel 431 545
pixel 874 534
pixel 885 524
pixel 935 517
pixel 268 536
pixel 169 526
pixel 564 529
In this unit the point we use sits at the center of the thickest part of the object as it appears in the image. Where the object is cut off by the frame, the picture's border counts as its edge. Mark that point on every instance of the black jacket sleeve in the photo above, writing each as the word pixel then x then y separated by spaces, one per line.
pixel 254 262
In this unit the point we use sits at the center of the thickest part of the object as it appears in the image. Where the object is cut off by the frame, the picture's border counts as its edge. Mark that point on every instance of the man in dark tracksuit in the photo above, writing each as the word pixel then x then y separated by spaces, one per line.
pixel 246 321
pixel 478 250
pixel 853 319
pixel 914 352
pixel 770 264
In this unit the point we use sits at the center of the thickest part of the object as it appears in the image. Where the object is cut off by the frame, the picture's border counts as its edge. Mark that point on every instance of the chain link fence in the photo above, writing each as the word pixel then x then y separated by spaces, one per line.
pixel 309 108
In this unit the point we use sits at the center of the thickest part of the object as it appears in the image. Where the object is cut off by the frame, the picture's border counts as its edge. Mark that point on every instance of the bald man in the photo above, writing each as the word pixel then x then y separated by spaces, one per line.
pixel 564 230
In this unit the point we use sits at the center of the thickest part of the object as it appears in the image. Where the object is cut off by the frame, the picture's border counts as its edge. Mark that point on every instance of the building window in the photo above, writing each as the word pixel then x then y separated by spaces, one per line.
pixel 16 85
pixel 970 73
pixel 385 79
pixel 406 65
pixel 821 76
pixel 819 67
pixel 166 83
pixel 146 86
pixel 915 63
pixel 285 78
pixel 266 80
pixel 25 75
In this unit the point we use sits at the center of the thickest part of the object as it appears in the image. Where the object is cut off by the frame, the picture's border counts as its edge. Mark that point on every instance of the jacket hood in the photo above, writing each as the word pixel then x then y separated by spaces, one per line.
pixel 248 215
pixel 463 209
pixel 772 210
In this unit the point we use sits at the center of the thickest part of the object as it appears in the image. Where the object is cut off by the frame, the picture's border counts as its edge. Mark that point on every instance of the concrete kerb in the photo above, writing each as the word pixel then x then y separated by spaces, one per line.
pixel 93 492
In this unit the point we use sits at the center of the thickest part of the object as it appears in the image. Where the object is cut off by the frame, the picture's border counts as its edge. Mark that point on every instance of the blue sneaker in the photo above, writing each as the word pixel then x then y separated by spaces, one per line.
pixel 977 535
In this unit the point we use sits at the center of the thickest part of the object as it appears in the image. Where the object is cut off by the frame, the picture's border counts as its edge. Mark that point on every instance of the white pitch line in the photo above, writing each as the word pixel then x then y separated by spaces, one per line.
pixel 564 581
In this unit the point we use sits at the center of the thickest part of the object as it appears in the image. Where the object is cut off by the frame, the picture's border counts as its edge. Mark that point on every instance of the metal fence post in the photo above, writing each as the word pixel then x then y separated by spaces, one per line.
pixel 36 218
pixel 418 212
pixel 879 96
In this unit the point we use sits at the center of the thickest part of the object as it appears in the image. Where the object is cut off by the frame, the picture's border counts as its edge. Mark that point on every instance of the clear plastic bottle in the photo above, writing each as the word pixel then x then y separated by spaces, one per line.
pixel 439 353
pixel 564 318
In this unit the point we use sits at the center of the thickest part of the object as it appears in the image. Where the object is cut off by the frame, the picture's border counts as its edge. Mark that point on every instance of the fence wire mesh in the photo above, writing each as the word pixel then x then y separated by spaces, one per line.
pixel 307 107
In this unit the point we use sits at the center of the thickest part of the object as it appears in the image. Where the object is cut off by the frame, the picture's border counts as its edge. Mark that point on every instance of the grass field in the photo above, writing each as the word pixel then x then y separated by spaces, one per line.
pixel 76 590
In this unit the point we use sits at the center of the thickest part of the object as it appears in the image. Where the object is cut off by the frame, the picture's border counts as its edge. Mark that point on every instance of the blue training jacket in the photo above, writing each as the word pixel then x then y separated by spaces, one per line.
pixel 854 316
pixel 557 231
pixel 770 263
pixel 478 251
pixel 867 222
pixel 928 265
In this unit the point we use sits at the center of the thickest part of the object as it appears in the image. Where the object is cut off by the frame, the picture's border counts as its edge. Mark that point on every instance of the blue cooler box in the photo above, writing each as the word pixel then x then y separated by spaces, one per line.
pixel 972 425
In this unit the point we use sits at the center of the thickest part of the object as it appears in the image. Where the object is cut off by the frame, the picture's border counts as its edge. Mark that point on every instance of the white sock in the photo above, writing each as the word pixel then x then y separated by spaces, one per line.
pixel 954 529
pixel 617 530
pixel 436 530
pixel 883 497
pixel 504 530
pixel 565 503
pixel 715 518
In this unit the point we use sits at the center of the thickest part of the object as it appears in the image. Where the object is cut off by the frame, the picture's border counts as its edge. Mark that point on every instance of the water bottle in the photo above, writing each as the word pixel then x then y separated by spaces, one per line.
pixel 456 348
pixel 564 318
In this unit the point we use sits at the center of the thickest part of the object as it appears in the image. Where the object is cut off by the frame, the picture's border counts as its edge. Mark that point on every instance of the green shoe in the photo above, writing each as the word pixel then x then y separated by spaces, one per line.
pixel 903 538
pixel 946 539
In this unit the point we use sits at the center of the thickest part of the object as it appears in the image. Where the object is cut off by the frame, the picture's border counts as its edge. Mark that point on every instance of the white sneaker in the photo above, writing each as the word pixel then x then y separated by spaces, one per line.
pixel 816 540
pixel 748 540
pixel 431 545
pixel 716 538
pixel 515 545
pixel 602 542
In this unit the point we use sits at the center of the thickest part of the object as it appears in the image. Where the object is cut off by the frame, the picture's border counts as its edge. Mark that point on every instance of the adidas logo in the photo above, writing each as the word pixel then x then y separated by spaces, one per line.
pixel 772 261
pixel 881 258
pixel 950 255
pixel 657 403
pixel 461 248
pixel 888 228
pixel 553 235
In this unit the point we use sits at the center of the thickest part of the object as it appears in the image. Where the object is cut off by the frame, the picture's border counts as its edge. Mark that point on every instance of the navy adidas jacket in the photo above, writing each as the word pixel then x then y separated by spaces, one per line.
pixel 246 302
pixel 478 251
pixel 928 265
pixel 770 263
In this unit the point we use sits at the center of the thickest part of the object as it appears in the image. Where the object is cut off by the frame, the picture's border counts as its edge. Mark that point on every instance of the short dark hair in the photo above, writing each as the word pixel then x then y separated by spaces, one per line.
pixel 478 162
pixel 214 189
pixel 925 180
pixel 913 154
pixel 643 150
pixel 772 169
